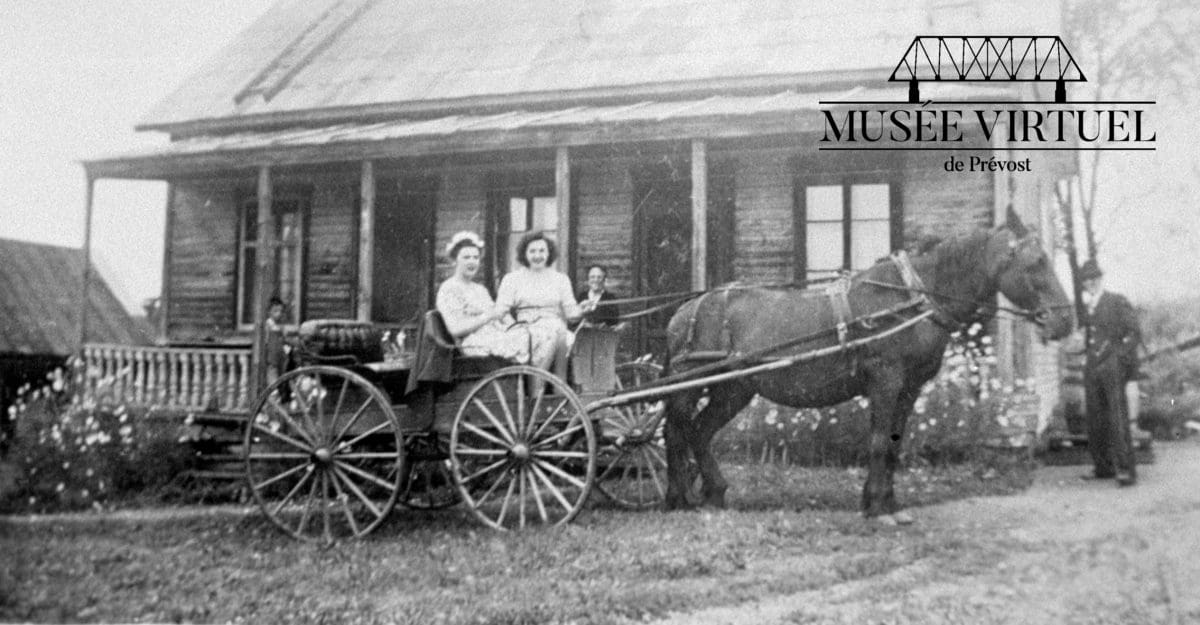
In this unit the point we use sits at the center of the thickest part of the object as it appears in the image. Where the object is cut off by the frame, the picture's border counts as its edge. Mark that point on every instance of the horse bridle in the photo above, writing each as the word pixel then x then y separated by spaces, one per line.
pixel 914 284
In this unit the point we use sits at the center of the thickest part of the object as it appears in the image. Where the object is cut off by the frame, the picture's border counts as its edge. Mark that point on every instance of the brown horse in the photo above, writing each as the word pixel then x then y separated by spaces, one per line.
pixel 961 277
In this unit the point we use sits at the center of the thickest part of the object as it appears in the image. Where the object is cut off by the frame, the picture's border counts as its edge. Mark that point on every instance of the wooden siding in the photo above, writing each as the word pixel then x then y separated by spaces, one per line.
pixel 331 263
pixel 605 214
pixel 764 240
pixel 941 203
pixel 203 264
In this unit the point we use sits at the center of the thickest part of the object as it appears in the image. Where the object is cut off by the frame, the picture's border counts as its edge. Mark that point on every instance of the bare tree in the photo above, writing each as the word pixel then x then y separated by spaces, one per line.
pixel 1133 50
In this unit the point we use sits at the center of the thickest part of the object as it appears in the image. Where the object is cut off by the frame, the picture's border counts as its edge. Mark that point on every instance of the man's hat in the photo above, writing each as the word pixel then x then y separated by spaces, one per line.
pixel 1090 270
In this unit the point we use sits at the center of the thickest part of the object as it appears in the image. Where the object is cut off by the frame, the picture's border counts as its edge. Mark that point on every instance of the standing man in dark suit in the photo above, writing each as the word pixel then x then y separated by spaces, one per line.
pixel 604 314
pixel 1111 363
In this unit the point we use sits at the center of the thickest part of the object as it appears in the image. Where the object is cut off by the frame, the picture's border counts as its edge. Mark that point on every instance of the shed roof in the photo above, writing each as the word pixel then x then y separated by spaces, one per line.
pixel 40 286
pixel 352 57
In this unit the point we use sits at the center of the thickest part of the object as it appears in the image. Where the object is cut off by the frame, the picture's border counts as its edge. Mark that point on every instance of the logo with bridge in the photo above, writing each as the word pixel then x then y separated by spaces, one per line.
pixel 938 59
pixel 963 117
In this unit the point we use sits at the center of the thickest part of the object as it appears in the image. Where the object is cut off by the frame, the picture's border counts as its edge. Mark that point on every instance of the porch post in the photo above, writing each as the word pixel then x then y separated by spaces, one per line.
pixel 87 259
pixel 699 215
pixel 366 241
pixel 264 276
pixel 1005 327
pixel 562 195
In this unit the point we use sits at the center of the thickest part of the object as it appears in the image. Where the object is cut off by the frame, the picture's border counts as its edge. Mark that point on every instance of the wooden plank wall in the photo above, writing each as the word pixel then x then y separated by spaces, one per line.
pixel 331 264
pixel 941 203
pixel 763 223
pixel 203 264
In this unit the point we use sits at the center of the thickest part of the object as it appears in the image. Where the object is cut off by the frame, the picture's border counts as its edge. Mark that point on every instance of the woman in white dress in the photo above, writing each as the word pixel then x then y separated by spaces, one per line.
pixel 468 310
pixel 541 298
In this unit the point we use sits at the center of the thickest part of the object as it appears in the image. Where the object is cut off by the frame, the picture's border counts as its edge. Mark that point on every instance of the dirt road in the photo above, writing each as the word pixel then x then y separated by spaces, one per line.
pixel 1066 551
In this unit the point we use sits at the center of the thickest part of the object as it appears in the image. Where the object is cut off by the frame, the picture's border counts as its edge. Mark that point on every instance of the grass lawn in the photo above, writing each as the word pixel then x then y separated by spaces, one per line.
pixel 610 566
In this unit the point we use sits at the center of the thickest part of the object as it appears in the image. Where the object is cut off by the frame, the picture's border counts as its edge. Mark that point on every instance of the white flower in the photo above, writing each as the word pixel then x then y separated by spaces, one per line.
pixel 772 416
pixel 60 488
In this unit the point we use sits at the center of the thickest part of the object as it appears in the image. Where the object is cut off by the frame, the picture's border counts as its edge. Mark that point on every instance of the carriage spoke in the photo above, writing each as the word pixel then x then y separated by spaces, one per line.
pixel 537 406
pixel 562 500
pixel 508 417
pixel 325 521
pixel 282 437
pixel 563 475
pixel 494 421
pixel 364 475
pixel 344 500
pixel 491 489
pixel 287 418
pixel 520 405
pixel 521 501
pixel 471 451
pixel 308 502
pixel 654 475
pixel 292 493
pixel 560 454
pixel 279 455
pixel 354 441
pixel 283 475
pixel 561 435
pixel 488 469
pixel 369 455
pixel 299 398
pixel 353 419
pixel 337 407
pixel 357 492
pixel 549 419
pixel 485 435
pixel 512 484
pixel 537 495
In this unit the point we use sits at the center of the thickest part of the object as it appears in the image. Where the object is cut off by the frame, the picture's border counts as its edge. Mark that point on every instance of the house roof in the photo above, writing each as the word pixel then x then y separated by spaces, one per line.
pixel 327 59
pixel 717 116
pixel 40 286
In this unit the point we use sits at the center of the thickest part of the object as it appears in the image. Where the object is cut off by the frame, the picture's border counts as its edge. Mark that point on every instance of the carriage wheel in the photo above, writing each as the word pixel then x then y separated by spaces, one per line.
pixel 522 449
pixel 633 459
pixel 324 455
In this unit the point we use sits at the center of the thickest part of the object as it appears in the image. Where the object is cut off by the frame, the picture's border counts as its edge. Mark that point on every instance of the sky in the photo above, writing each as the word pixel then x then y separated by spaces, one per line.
pixel 77 75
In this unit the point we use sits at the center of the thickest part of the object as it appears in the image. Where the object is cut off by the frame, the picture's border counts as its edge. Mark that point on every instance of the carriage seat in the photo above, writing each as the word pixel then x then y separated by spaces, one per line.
pixel 439 359
pixel 339 342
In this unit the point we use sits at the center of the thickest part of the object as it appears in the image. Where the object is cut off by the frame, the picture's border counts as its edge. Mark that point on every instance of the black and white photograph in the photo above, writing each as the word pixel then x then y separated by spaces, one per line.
pixel 600 312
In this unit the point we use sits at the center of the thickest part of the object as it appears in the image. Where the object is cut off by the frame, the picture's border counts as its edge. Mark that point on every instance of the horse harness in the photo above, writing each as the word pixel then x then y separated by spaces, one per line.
pixel 838 295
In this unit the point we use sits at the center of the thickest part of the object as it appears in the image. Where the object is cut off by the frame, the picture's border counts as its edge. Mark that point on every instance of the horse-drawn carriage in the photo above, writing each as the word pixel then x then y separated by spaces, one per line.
pixel 331 446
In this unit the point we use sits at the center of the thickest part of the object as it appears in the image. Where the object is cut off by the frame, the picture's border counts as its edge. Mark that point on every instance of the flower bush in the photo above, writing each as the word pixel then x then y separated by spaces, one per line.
pixel 67 453
pixel 960 412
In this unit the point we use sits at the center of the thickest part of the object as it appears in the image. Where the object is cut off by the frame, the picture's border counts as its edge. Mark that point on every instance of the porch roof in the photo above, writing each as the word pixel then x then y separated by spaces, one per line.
pixel 713 117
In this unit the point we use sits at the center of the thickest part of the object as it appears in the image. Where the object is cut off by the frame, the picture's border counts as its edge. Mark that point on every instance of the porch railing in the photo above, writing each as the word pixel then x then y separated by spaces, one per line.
pixel 176 378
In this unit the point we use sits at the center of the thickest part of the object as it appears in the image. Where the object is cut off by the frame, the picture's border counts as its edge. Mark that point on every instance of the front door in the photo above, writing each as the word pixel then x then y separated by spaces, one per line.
pixel 662 244
pixel 404 257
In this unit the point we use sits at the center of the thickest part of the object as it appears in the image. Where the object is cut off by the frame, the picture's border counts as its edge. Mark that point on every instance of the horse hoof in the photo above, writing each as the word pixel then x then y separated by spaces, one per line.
pixel 903 518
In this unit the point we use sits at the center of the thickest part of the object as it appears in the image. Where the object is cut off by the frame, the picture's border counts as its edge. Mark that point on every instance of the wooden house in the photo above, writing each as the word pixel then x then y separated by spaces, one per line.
pixel 330 151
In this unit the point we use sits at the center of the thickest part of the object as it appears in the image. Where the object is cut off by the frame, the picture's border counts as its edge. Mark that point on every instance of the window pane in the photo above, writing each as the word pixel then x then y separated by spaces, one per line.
pixel 823 203
pixel 545 213
pixel 869 201
pixel 518 210
pixel 869 241
pixel 824 246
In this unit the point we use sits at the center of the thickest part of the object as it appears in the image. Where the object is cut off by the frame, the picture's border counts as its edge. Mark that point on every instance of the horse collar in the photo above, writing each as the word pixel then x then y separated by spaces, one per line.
pixel 914 284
